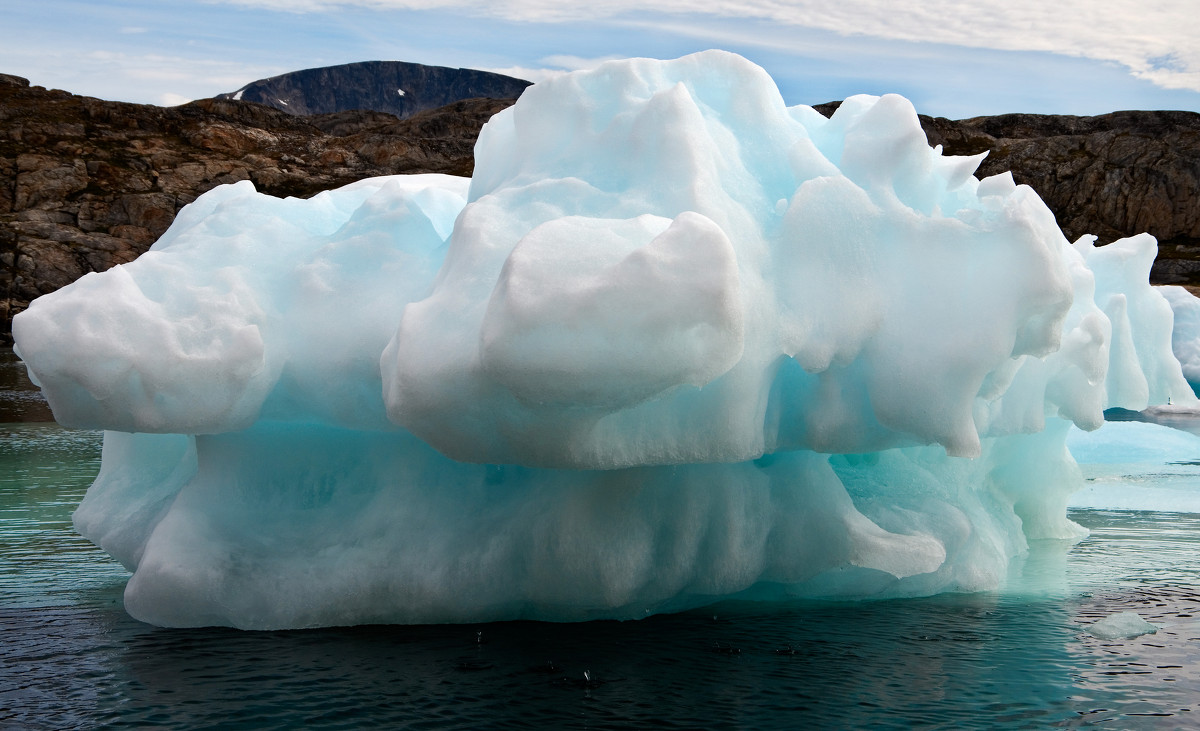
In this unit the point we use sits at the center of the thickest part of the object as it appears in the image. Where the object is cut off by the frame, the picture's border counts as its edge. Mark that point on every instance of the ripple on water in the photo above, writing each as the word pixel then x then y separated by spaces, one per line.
pixel 953 662
pixel 44 472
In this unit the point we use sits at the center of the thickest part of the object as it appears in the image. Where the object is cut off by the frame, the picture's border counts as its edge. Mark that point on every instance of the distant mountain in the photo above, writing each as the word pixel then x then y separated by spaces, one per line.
pixel 394 87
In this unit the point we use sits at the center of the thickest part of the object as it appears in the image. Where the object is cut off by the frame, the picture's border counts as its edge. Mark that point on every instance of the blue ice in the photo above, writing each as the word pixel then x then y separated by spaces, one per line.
pixel 675 341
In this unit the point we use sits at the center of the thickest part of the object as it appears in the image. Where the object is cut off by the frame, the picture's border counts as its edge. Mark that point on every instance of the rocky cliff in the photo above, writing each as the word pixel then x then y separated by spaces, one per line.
pixel 1113 175
pixel 86 184
pixel 394 87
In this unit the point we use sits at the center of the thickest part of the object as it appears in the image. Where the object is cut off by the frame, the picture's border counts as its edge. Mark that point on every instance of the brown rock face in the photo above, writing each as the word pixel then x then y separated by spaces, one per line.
pixel 87 184
pixel 1113 175
pixel 395 87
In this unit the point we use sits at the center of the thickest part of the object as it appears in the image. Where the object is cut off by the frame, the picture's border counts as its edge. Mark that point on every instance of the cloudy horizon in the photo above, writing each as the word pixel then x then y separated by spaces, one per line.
pixel 950 58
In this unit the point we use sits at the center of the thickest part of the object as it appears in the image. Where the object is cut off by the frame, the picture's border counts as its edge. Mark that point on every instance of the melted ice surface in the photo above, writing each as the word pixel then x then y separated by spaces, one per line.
pixel 674 341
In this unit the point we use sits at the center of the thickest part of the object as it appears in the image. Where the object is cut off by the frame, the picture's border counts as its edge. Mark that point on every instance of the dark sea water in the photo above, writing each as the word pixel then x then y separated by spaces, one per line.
pixel 1020 658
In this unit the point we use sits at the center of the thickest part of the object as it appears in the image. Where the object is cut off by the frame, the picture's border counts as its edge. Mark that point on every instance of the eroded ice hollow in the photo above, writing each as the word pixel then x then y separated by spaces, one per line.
pixel 674 342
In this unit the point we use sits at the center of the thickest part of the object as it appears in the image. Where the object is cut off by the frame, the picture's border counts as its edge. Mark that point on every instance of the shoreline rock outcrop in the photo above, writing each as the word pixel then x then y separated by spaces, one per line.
pixel 86 184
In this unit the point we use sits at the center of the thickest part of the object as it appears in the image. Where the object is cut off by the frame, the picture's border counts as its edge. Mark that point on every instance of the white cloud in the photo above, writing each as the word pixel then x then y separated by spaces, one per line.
pixel 172 100
pixel 526 72
pixel 189 71
pixel 575 63
pixel 1133 33
pixel 552 66
pixel 147 78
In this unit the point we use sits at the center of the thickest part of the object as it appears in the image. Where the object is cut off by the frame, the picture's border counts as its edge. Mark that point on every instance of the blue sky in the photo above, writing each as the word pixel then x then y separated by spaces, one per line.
pixel 950 58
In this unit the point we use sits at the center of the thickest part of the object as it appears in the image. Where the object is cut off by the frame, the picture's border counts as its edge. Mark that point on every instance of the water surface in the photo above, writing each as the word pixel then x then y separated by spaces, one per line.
pixel 1020 658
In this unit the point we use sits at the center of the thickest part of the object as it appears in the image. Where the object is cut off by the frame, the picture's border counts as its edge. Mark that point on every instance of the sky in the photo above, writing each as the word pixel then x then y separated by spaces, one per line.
pixel 952 59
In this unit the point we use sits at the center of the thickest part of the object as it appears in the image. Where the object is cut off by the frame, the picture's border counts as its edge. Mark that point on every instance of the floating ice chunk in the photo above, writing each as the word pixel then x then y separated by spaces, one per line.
pixel 1121 626
pixel 1185 337
pixel 675 341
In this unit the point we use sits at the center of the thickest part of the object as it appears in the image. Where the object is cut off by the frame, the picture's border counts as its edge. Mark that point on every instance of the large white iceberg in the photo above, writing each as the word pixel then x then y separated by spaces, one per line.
pixel 676 342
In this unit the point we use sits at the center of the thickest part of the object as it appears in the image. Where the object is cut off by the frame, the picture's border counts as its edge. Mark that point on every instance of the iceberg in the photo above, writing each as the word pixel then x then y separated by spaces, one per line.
pixel 1121 626
pixel 1185 339
pixel 674 342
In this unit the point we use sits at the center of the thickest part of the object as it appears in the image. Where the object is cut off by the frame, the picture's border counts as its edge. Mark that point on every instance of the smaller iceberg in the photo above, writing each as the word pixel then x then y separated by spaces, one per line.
pixel 1121 626
pixel 1186 338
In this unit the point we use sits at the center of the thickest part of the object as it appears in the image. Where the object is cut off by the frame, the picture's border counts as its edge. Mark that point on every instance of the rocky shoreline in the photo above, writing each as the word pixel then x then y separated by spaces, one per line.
pixel 86 184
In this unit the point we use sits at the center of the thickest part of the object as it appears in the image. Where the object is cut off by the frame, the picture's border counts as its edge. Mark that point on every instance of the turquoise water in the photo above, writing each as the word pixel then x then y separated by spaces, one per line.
pixel 1019 658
